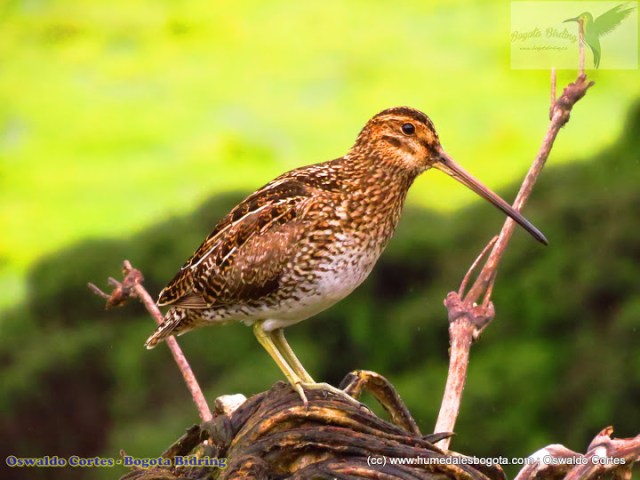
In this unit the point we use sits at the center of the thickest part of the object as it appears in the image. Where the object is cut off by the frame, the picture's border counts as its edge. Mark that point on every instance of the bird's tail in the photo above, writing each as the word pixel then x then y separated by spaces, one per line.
pixel 176 322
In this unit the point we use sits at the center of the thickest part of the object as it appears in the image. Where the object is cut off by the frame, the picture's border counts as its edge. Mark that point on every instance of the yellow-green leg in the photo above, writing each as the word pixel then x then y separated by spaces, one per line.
pixel 277 346
pixel 269 345
pixel 285 350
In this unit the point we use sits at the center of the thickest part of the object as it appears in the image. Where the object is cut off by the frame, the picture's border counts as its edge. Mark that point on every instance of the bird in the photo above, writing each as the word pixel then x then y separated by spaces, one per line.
pixel 308 238
pixel 594 29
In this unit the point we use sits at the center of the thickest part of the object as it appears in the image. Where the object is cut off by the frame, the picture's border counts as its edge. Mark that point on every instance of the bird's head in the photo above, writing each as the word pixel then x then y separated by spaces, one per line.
pixel 583 18
pixel 405 139
pixel 400 138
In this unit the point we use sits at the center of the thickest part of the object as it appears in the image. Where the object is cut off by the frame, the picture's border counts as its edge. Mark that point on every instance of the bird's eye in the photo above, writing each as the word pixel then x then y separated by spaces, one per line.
pixel 408 129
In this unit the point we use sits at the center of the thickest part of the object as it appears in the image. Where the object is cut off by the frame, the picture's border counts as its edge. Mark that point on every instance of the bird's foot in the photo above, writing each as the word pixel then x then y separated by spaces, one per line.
pixel 329 388
pixel 299 390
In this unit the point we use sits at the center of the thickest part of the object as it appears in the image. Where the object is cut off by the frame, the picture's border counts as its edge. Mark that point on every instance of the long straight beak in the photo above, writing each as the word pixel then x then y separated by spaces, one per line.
pixel 447 165
pixel 577 19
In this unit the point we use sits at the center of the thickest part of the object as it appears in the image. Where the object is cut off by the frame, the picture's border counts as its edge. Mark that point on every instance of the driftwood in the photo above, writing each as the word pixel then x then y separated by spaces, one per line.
pixel 272 435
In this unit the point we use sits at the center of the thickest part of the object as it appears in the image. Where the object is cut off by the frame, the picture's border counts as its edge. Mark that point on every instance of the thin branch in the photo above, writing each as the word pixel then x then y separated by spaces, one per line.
pixel 605 455
pixel 466 319
pixel 560 113
pixel 463 322
pixel 572 93
pixel 474 265
pixel 131 286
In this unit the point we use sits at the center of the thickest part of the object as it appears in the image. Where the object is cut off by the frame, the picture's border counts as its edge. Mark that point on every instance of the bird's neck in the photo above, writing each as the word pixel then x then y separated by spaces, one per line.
pixel 376 179
pixel 374 195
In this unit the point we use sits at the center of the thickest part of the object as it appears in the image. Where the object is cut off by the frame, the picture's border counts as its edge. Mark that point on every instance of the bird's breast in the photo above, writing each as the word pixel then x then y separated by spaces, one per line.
pixel 348 263
pixel 333 259
pixel 355 237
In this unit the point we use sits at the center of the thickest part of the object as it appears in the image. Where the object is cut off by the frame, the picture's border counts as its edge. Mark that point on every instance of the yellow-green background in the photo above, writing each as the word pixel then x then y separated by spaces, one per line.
pixel 116 116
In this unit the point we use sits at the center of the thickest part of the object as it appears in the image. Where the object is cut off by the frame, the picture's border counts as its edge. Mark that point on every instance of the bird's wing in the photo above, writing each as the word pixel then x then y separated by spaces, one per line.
pixel 609 20
pixel 243 257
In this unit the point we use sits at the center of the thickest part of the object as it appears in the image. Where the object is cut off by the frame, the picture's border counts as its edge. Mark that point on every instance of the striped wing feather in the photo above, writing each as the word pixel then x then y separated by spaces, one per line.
pixel 244 256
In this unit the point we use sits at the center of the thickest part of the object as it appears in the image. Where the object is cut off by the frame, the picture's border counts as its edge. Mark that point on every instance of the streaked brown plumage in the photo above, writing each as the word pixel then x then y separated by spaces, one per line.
pixel 305 240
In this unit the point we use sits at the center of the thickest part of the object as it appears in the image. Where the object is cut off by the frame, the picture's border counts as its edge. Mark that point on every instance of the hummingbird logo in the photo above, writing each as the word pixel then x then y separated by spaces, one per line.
pixel 594 29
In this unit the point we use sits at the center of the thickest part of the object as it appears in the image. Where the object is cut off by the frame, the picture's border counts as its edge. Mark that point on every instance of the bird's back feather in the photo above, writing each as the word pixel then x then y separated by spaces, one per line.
pixel 244 255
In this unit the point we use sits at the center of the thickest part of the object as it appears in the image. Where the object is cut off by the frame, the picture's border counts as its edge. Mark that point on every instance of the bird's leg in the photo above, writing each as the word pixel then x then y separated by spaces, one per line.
pixel 309 383
pixel 285 350
pixel 278 347
pixel 267 342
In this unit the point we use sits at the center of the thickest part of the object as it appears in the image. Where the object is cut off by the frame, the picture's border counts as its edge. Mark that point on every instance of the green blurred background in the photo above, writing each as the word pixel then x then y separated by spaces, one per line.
pixel 127 129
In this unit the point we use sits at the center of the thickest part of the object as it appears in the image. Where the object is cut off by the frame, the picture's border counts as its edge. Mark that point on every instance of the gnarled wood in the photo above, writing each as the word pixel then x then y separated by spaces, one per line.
pixel 273 435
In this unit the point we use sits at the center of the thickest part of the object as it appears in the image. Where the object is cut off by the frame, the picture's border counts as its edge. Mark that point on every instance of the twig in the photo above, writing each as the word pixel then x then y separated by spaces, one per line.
pixel 461 335
pixel 131 286
pixel 560 113
pixel 463 323
pixel 474 265
pixel 604 455
pixel 562 110
pixel 466 319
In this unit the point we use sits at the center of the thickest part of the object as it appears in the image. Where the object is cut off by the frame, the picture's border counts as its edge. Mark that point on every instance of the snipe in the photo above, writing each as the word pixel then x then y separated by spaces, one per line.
pixel 307 239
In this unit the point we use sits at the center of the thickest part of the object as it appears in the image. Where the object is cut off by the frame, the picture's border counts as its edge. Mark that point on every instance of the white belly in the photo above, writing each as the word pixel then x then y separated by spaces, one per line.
pixel 334 281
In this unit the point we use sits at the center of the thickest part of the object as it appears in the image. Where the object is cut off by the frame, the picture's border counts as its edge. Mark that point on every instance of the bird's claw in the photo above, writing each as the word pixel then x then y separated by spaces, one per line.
pixel 300 391
pixel 327 388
